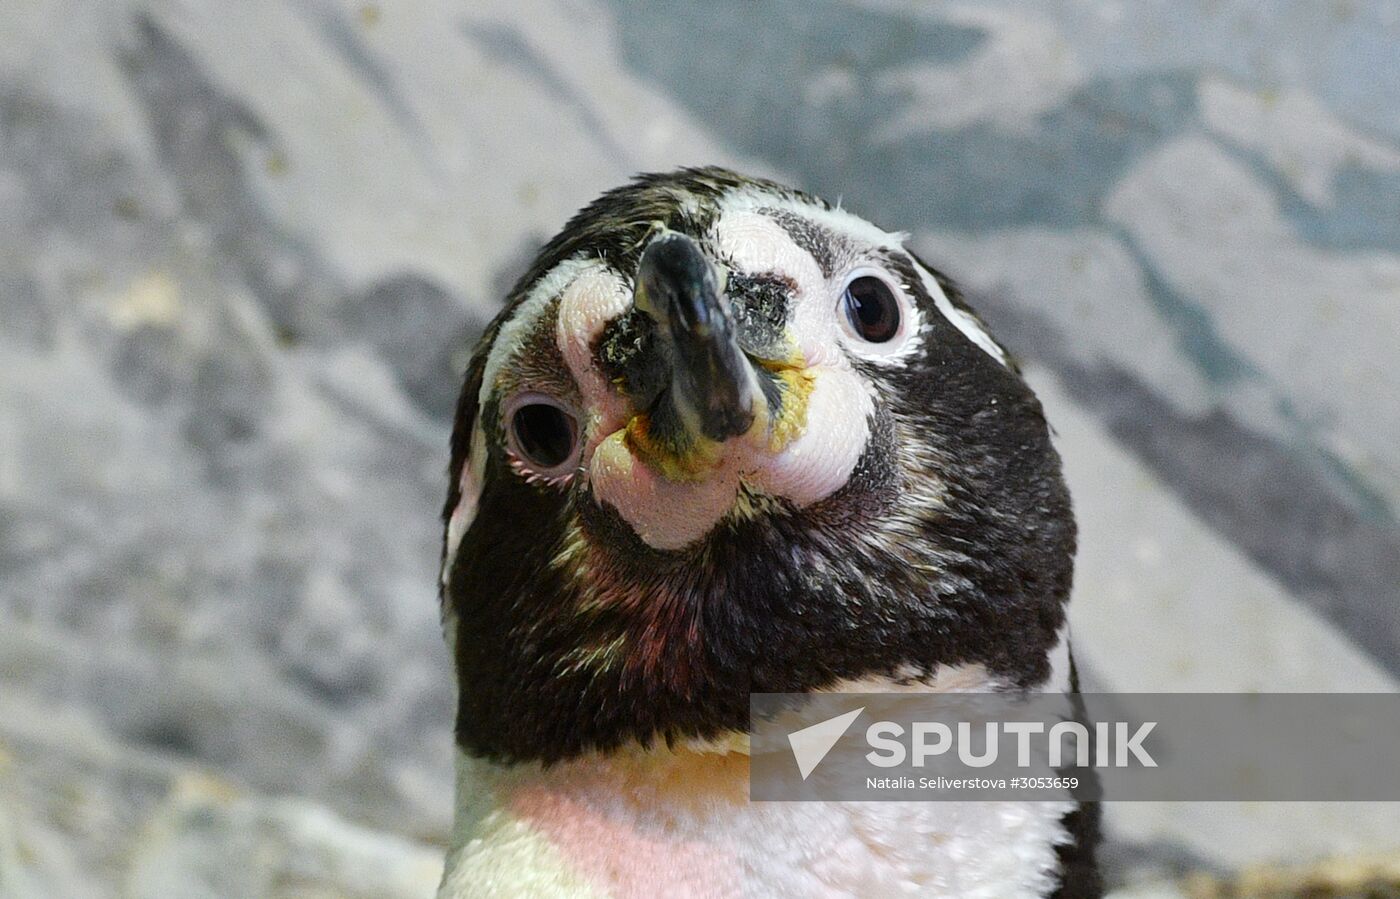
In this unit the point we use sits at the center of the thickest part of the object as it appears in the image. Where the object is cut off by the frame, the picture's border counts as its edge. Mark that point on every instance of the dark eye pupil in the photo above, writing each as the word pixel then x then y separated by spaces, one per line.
pixel 544 434
pixel 872 309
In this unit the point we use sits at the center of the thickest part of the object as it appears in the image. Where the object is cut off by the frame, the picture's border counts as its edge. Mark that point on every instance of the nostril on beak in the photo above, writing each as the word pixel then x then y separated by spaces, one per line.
pixel 712 384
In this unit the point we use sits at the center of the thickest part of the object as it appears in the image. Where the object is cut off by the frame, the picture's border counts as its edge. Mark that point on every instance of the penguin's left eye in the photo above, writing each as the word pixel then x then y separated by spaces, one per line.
pixel 542 435
pixel 871 310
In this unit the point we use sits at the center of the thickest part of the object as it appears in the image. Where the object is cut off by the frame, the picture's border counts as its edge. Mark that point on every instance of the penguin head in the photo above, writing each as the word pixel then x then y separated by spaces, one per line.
pixel 725 438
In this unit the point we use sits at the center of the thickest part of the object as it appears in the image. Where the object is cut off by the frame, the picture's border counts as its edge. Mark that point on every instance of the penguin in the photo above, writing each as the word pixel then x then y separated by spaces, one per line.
pixel 725 437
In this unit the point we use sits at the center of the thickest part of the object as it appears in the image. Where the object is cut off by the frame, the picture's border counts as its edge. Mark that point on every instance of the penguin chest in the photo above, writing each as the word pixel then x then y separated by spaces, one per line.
pixel 682 826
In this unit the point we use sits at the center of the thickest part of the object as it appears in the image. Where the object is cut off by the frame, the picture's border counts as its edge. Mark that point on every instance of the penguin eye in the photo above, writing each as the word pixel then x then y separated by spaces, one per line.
pixel 542 435
pixel 872 311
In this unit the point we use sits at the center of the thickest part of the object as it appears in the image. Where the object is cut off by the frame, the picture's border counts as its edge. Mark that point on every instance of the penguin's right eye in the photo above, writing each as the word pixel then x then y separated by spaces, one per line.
pixel 542 436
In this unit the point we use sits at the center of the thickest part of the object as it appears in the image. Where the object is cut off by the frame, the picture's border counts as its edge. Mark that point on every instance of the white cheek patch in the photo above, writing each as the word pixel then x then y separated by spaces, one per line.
pixel 670 515
pixel 665 514
pixel 820 461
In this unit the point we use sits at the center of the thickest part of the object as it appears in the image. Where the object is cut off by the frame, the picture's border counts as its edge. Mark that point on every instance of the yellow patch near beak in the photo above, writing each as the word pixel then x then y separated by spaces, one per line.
pixel 694 461
pixel 796 385
pixel 693 458
pixel 681 465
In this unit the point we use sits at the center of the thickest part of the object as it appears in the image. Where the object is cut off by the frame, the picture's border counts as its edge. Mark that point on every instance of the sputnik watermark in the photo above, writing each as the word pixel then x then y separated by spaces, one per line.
pixel 1111 744
pixel 902 746
pixel 811 744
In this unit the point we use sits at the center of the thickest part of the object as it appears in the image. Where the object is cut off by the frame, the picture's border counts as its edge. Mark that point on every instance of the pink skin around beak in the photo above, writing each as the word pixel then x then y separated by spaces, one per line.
pixel 803 459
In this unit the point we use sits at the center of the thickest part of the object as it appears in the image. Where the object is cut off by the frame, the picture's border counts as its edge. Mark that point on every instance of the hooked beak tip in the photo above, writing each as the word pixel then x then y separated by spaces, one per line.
pixel 713 385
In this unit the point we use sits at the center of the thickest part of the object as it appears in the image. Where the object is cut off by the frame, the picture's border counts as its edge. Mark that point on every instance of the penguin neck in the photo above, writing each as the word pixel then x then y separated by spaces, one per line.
pixel 637 821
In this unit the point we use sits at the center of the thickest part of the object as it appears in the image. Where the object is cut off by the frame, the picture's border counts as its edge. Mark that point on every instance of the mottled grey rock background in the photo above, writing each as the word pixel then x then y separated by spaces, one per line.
pixel 244 249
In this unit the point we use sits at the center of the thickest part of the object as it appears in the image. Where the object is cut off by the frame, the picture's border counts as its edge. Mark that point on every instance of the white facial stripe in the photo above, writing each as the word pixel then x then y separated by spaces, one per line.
pixel 756 243
pixel 462 516
pixel 862 232
pixel 960 320
pixel 518 327
pixel 837 220
pixel 508 341
pixel 1060 664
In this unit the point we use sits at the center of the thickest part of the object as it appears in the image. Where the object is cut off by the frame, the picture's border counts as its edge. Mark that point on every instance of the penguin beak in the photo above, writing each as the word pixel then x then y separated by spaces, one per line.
pixel 713 390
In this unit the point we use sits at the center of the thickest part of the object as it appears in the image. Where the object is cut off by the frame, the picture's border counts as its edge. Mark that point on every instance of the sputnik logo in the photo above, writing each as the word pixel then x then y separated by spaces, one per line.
pixel 811 744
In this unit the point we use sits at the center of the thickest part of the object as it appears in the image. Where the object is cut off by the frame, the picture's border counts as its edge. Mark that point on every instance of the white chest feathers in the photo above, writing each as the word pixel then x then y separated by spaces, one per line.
pixel 680 824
